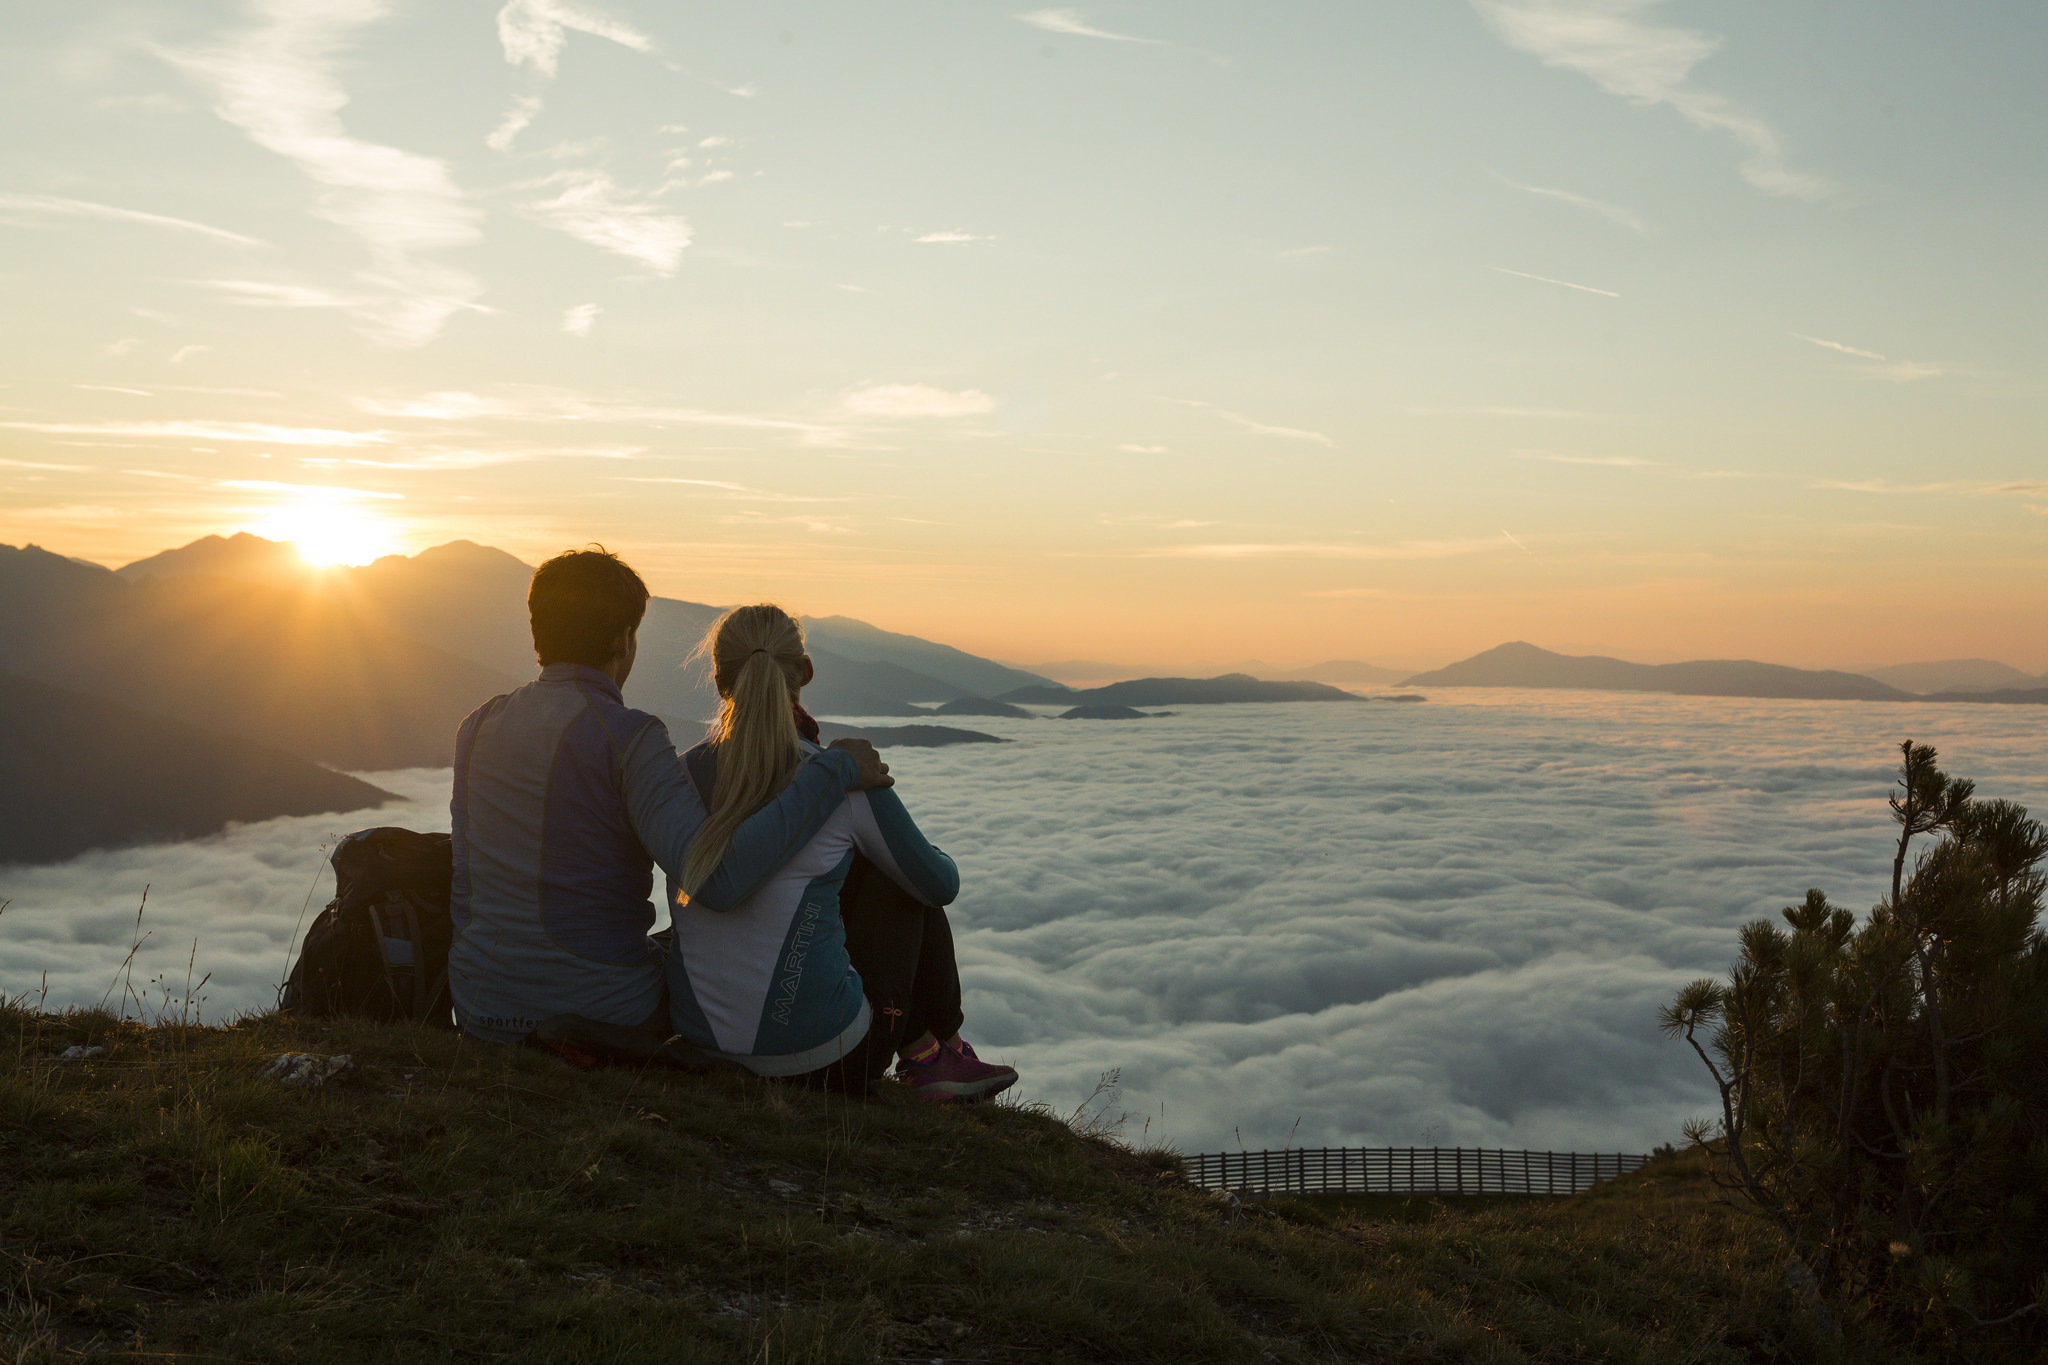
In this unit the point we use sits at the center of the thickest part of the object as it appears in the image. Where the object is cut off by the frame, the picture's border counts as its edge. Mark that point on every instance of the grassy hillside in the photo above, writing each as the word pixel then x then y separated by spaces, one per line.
pixel 455 1201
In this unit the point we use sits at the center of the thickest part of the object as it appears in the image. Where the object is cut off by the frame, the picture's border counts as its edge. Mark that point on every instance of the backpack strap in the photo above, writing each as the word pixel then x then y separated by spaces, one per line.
pixel 424 992
pixel 419 978
pixel 401 991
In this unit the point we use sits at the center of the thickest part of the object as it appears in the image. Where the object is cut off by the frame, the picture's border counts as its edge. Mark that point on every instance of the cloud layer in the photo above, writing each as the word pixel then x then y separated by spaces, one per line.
pixel 1445 923
pixel 1384 921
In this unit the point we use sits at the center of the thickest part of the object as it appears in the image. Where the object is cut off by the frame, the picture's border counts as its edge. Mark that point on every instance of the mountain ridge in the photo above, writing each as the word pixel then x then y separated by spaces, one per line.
pixel 79 773
pixel 1956 675
pixel 470 599
pixel 1521 664
pixel 1231 687
pixel 278 664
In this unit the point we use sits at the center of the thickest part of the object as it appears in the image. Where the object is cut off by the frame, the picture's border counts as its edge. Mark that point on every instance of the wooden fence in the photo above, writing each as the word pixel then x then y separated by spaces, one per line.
pixel 1407 1170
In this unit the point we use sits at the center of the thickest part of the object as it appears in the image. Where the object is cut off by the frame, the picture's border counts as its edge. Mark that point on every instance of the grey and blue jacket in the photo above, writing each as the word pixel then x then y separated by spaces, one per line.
pixel 765 981
pixel 563 798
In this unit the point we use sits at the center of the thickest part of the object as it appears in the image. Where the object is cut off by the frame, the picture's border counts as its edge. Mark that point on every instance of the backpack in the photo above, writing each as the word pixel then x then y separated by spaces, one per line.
pixel 380 948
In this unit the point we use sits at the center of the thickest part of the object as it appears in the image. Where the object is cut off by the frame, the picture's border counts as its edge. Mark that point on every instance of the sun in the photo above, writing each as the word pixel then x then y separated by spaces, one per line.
pixel 329 527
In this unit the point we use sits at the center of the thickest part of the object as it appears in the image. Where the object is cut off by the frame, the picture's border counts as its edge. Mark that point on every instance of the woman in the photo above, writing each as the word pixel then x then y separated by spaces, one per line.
pixel 788 983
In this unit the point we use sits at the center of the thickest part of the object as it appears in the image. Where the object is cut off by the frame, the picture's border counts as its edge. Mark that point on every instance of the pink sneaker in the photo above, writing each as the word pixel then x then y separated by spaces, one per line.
pixel 954 1074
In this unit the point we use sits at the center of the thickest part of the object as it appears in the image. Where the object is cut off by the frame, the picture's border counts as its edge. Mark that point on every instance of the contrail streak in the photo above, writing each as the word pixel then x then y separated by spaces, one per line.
pixel 1547 280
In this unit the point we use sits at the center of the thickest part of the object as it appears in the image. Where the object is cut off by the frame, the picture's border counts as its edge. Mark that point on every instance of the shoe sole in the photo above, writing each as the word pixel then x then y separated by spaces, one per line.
pixel 963 1092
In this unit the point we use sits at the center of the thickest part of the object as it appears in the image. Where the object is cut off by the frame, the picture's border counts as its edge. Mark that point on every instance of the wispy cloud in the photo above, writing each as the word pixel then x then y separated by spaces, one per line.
pixel 259 432
pixel 1155 521
pixel 1070 22
pixel 51 468
pixel 464 457
pixel 739 491
pixel 1255 427
pixel 533 32
pixel 1613 213
pixel 1545 279
pixel 550 406
pixel 211 389
pixel 276 83
pixel 593 210
pixel 327 492
pixel 1300 252
pixel 524 110
pixel 914 400
pixel 52 206
pixel 1546 414
pixel 261 294
pixel 1410 549
pixel 1910 371
pixel 578 321
pixel 1512 541
pixel 1555 457
pixel 948 237
pixel 2026 488
pixel 1142 450
pixel 1837 346
pixel 1884 486
pixel 1614 43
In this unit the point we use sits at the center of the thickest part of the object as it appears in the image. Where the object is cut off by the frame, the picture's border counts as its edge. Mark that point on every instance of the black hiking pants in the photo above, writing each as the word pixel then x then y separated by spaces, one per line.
pixel 903 950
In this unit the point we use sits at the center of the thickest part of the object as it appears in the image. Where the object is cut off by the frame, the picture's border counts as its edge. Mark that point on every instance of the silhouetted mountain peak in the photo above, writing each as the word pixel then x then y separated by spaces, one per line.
pixel 35 582
pixel 1956 675
pixel 1520 664
pixel 468 554
pixel 241 555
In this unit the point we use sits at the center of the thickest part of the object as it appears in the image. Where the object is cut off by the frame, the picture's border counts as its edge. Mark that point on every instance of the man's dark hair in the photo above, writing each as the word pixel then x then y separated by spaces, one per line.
pixel 580 603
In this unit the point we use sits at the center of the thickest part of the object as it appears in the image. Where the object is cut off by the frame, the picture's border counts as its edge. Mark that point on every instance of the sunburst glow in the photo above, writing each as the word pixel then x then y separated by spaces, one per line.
pixel 329 526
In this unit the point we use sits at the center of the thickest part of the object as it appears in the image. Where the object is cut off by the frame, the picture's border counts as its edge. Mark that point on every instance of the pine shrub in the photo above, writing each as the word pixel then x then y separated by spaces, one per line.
pixel 1884 1085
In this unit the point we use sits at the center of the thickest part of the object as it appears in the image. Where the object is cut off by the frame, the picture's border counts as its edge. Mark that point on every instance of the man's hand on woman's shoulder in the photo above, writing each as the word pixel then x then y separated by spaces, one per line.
pixel 873 772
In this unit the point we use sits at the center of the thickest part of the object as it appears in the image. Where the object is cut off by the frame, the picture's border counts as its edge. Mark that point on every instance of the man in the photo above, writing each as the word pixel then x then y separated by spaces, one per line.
pixel 563 795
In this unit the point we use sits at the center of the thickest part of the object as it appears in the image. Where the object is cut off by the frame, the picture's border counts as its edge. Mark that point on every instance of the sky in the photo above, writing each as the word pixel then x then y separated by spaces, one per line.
pixel 1385 330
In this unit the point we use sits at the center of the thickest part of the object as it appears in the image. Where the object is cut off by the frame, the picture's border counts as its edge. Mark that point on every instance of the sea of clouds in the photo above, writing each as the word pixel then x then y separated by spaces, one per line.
pixel 1439 924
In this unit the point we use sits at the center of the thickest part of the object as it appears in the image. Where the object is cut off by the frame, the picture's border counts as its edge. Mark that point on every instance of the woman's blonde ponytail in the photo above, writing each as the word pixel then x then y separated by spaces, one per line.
pixel 757 659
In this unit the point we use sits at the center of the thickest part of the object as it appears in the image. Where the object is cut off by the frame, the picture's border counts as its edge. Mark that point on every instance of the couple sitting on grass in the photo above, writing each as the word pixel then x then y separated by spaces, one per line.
pixel 564 796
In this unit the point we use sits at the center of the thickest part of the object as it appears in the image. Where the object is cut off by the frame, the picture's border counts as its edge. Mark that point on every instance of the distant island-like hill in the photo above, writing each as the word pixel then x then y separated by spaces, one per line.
pixel 1524 665
pixel 906 736
pixel 1231 687
pixel 79 773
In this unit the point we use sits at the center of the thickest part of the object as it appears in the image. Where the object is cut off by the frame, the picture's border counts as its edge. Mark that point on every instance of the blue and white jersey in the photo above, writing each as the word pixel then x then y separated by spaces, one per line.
pixel 767 983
